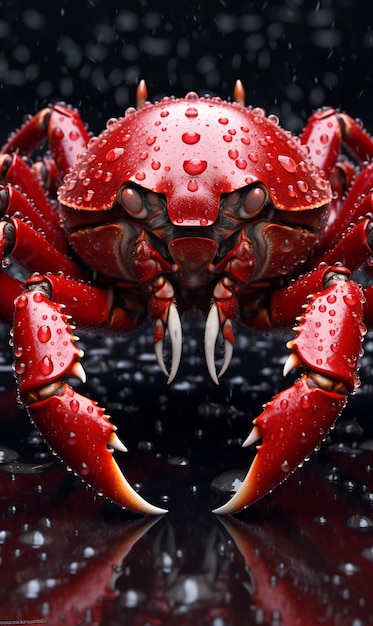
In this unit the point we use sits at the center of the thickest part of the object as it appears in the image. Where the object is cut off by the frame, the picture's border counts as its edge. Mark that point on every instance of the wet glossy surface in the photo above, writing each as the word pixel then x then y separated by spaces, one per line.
pixel 303 555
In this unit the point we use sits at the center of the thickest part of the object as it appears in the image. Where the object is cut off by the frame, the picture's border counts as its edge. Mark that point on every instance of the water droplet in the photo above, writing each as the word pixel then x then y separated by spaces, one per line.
pixel 287 163
pixel 241 163
pixel 274 119
pixel 140 175
pixel 155 165
pixel 191 95
pixel 194 166
pixel 35 538
pixel 20 368
pixel 44 334
pixel 192 185
pixel 143 156
pixel 84 469
pixel 191 112
pixel 286 245
pixel 253 157
pixel 37 297
pixel 191 138
pixel 246 141
pixel 150 141
pixel 305 401
pixel 114 154
pixel 88 195
pixel 350 300
pixel 46 366
pixel 324 138
pixel 58 132
pixel 349 568
pixel 302 186
pixel 164 113
pixel 227 138
pixel 70 184
pixel 233 154
pixel 72 440
pixel 284 404
pixel 74 405
pixel 4 534
pixel 360 522
pixel 223 120
pixel 285 467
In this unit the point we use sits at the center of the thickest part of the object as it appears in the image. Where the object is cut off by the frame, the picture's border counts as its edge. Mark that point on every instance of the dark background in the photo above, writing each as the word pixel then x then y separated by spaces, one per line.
pixel 292 55
pixel 311 541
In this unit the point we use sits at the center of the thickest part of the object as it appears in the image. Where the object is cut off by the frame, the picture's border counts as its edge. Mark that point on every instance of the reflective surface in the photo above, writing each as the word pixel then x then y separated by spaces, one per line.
pixel 303 555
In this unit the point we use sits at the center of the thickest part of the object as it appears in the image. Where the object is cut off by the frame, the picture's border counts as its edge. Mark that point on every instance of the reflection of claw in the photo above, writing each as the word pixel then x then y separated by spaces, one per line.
pixel 211 335
pixel 175 334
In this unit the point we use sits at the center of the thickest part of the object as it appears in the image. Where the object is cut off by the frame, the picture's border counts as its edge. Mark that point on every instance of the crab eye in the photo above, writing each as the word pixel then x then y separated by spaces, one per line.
pixel 253 201
pixel 132 201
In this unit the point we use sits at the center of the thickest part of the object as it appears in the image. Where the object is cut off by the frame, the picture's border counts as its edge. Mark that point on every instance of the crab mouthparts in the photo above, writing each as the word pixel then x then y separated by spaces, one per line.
pixel 174 330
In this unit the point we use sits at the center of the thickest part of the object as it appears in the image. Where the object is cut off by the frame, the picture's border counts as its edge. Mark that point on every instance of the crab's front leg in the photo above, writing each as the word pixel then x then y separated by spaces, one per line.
pixel 294 422
pixel 74 426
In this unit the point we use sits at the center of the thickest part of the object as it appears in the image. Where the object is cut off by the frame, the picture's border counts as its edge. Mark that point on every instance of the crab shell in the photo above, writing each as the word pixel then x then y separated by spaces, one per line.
pixel 193 150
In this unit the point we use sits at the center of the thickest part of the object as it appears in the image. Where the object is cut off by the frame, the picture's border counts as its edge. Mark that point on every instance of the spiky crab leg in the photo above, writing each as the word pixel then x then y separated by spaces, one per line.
pixel 74 426
pixel 293 424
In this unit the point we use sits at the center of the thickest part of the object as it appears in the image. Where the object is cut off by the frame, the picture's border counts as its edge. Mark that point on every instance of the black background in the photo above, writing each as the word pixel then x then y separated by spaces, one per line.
pixel 293 56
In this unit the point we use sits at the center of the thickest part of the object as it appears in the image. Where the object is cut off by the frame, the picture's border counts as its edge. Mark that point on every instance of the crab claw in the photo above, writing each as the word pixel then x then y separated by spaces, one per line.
pixel 291 426
pixel 81 434
pixel 73 425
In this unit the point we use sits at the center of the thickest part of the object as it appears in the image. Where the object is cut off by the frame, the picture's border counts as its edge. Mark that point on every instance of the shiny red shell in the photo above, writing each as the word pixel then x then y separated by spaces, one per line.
pixel 193 150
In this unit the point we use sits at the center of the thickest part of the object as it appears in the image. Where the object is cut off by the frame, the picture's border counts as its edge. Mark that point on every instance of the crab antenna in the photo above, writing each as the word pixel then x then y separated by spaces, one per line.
pixel 239 93
pixel 141 94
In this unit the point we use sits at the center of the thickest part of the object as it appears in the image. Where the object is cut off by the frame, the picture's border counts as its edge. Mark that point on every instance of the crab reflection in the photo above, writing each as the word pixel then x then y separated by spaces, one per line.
pixel 192 576
pixel 68 558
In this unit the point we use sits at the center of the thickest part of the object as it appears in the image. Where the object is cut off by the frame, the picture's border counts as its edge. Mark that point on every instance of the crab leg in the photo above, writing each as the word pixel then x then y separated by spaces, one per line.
pixel 293 424
pixel 73 425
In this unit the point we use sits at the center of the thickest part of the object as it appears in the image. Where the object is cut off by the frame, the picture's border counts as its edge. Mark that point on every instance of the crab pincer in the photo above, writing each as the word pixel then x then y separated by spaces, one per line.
pixel 74 426
pixel 295 421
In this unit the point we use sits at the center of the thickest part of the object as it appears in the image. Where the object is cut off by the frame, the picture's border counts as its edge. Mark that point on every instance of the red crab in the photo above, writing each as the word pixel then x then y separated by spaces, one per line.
pixel 197 203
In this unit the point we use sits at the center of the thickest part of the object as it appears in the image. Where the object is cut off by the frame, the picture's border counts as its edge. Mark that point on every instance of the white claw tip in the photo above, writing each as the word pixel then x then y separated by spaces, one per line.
pixel 292 362
pixel 77 370
pixel 116 443
pixel 252 438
